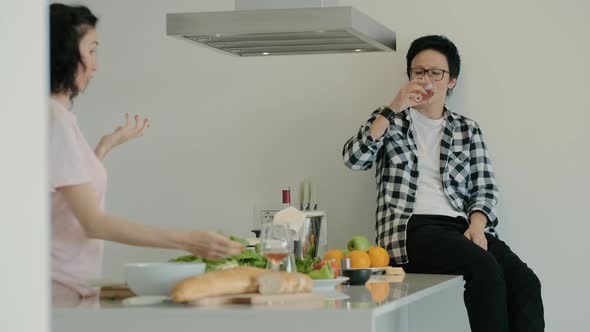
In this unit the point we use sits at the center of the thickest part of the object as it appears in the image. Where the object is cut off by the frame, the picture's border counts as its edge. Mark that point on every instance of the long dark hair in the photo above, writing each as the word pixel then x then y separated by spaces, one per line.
pixel 68 24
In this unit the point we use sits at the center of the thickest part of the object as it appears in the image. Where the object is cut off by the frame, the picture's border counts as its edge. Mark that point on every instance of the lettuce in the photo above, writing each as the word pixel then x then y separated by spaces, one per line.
pixel 246 258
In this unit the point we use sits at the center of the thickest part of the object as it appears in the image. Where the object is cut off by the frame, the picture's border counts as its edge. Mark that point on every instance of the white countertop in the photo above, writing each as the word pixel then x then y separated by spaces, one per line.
pixel 351 308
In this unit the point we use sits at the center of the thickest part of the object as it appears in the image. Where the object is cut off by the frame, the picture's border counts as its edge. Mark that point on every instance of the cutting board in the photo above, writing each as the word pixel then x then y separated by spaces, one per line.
pixel 260 299
pixel 115 292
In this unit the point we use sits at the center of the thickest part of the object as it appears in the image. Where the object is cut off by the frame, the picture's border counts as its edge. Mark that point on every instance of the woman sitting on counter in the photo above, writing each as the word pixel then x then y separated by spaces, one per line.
pixel 437 193
pixel 77 177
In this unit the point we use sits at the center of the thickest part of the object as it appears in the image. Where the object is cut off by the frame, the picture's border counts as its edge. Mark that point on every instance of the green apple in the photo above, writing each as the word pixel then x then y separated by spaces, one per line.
pixel 358 242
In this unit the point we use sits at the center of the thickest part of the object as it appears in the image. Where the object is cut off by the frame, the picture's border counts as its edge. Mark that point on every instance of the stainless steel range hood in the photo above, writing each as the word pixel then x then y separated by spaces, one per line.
pixel 283 31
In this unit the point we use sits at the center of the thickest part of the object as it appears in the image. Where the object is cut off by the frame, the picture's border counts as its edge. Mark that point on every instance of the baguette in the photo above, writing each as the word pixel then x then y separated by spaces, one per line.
pixel 238 280
pixel 284 283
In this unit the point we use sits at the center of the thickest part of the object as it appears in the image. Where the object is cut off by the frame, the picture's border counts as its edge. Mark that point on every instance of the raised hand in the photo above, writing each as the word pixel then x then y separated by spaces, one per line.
pixel 121 135
pixel 416 92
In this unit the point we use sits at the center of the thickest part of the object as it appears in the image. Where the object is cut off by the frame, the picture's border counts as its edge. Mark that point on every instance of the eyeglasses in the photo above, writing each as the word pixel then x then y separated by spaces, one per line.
pixel 434 74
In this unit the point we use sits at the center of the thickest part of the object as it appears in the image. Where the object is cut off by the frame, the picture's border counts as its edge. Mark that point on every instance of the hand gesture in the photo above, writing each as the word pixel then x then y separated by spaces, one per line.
pixel 121 135
pixel 127 132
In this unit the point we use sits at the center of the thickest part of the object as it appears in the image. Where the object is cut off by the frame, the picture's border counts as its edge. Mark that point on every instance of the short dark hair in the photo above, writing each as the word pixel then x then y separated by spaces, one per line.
pixel 67 25
pixel 440 44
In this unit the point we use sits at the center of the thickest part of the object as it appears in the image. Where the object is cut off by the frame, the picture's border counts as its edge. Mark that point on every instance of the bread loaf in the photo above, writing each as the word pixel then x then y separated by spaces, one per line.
pixel 284 283
pixel 237 280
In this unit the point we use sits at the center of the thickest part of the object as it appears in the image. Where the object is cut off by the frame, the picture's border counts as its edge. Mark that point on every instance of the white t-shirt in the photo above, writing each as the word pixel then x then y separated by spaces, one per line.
pixel 430 196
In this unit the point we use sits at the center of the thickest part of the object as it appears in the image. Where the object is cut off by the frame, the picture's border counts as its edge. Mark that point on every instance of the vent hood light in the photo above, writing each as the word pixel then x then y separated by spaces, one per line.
pixel 283 31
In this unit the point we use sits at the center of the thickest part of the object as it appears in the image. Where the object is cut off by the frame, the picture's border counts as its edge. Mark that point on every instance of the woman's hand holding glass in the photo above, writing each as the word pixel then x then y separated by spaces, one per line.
pixel 416 92
pixel 419 90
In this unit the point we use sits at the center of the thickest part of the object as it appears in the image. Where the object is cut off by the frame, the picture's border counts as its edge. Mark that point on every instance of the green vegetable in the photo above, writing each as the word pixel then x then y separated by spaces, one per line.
pixel 305 265
pixel 246 257
pixel 239 240
pixel 324 273
pixel 187 258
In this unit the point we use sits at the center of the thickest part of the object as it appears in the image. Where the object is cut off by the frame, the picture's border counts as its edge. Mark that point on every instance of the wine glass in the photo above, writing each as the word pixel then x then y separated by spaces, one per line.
pixel 274 244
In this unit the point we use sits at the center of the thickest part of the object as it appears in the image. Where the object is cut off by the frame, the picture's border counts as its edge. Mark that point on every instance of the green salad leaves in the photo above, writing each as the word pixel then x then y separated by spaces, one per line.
pixel 306 264
pixel 246 257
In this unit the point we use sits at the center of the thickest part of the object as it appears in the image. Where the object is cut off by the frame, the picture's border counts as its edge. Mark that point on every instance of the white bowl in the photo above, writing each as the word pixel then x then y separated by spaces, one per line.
pixel 159 278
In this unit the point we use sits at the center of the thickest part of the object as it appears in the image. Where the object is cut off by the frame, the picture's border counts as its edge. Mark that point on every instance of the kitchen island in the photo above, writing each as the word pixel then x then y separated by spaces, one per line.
pixel 419 302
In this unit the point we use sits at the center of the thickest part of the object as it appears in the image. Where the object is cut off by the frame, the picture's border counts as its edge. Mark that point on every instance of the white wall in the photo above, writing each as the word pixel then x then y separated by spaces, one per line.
pixel 24 239
pixel 229 133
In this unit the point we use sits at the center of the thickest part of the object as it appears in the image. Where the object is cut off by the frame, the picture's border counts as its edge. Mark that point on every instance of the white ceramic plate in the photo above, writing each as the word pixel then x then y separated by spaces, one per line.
pixel 327 284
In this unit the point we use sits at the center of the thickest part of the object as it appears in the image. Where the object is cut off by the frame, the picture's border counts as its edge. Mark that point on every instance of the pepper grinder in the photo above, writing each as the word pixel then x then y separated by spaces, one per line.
pixel 344 265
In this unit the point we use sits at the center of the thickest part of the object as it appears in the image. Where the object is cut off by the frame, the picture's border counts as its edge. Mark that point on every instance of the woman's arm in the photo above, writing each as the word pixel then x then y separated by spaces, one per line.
pixel 405 98
pixel 121 135
pixel 96 224
pixel 483 194
pixel 361 150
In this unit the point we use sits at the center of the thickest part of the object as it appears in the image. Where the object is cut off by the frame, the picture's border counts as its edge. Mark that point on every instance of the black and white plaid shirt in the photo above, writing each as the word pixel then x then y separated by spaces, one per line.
pixel 466 171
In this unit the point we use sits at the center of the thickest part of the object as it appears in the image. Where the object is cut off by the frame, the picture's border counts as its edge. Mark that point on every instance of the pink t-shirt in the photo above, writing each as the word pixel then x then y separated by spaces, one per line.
pixel 75 259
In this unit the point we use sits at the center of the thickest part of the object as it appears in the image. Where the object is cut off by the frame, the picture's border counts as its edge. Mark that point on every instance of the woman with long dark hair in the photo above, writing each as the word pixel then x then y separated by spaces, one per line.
pixel 78 178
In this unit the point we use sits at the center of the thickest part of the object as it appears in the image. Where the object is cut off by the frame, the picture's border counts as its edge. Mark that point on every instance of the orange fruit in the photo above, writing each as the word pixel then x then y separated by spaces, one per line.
pixel 379 257
pixel 335 254
pixel 359 259
pixel 379 290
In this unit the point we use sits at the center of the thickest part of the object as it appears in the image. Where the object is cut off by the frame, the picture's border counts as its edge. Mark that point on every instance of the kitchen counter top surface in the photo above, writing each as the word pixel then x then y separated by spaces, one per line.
pixel 381 292
pixel 351 306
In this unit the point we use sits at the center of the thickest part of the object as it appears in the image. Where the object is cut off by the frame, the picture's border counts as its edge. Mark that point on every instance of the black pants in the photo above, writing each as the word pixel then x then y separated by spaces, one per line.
pixel 501 292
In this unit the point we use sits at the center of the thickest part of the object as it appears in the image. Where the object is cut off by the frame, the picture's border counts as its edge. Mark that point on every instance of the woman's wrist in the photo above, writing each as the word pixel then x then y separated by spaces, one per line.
pixel 103 148
pixel 478 220
pixel 101 151
pixel 396 105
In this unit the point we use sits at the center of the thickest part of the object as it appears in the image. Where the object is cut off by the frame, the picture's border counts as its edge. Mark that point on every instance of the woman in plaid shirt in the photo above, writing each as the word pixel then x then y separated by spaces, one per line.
pixel 437 194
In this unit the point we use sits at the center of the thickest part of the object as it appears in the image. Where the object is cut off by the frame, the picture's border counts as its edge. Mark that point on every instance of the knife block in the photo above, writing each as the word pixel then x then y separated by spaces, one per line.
pixel 313 235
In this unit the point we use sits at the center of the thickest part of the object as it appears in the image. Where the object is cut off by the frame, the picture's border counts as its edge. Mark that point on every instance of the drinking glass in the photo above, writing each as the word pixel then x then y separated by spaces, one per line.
pixel 427 86
pixel 274 244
